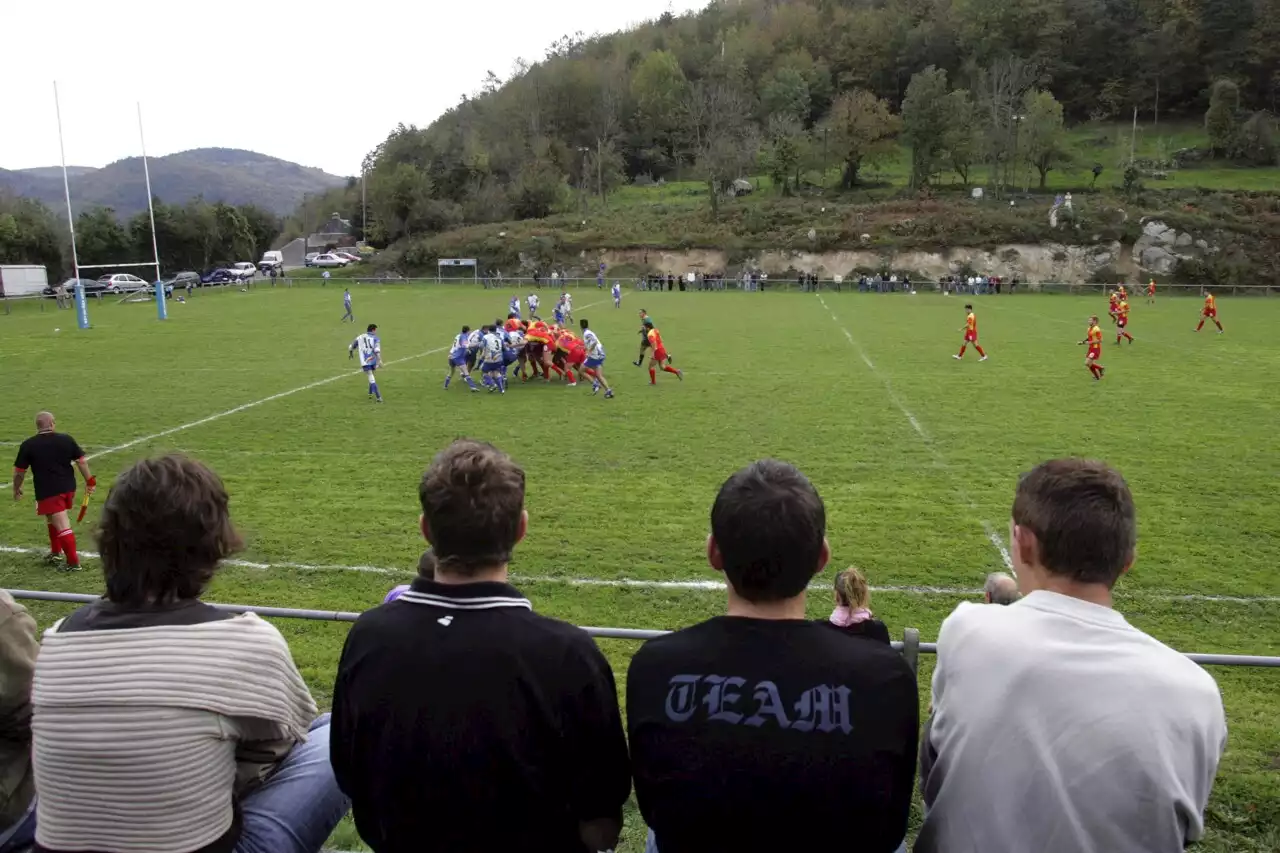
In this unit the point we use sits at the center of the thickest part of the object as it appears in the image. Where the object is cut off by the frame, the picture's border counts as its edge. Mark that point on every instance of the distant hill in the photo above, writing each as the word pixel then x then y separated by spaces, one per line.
pixel 217 174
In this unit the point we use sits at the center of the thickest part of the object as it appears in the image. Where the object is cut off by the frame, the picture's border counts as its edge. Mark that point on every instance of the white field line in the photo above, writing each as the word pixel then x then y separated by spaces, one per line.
pixel 255 403
pixel 686 585
pixel 938 458
pixel 117 448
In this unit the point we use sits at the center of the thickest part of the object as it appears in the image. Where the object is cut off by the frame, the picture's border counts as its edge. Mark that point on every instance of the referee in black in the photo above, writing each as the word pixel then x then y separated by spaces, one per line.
pixel 49 455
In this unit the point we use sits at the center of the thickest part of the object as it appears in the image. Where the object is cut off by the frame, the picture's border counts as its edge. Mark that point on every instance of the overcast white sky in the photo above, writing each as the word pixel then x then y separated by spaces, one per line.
pixel 319 83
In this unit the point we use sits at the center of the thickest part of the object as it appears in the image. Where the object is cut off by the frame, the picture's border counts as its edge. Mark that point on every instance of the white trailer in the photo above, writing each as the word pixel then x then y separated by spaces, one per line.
pixel 22 280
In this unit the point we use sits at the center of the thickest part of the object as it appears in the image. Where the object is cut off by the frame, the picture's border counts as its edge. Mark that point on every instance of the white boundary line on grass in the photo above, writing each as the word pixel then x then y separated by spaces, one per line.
pixel 987 526
pixel 117 448
pixel 289 393
pixel 689 585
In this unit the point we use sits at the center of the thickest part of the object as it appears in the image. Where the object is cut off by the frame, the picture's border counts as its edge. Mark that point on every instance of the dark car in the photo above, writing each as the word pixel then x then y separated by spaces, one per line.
pixel 220 275
pixel 89 285
pixel 182 279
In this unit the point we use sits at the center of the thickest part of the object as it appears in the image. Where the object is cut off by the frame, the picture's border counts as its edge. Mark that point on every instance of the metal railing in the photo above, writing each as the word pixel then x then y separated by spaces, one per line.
pixel 909 645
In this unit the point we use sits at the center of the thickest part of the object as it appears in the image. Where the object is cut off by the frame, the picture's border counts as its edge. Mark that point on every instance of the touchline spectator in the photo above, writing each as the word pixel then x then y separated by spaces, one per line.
pixel 462 719
pixel 160 722
pixel 1056 724
pixel 18 650
pixel 50 455
pixel 761 730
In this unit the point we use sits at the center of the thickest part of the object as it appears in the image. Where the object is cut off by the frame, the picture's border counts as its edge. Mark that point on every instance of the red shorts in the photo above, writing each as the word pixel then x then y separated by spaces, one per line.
pixel 1122 321
pixel 1210 312
pixel 970 338
pixel 577 357
pixel 660 355
pixel 1094 354
pixel 57 503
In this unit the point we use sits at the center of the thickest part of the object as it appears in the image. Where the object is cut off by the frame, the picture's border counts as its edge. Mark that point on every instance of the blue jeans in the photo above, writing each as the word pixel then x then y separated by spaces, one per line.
pixel 21 835
pixel 651 845
pixel 296 809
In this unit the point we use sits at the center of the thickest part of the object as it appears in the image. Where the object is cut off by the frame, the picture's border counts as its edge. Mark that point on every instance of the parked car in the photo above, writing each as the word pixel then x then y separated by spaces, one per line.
pixel 329 261
pixel 271 261
pixel 90 286
pixel 343 253
pixel 243 271
pixel 122 282
pixel 182 279
pixel 221 275
pixel 310 259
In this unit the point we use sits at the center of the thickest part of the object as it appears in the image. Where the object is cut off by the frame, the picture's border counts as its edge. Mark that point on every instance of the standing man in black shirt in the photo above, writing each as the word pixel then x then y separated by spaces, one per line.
pixel 760 730
pixel 462 720
pixel 49 455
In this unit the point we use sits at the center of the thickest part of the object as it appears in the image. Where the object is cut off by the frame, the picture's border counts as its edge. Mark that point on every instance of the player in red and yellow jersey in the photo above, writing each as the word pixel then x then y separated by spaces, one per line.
pixel 1124 294
pixel 1151 292
pixel 535 351
pixel 659 357
pixel 1114 299
pixel 1210 312
pixel 1093 338
pixel 970 334
pixel 1122 321
pixel 567 351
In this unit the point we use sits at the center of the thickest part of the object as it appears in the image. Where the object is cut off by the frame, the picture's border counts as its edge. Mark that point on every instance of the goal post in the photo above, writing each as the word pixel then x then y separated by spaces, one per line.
pixel 82 313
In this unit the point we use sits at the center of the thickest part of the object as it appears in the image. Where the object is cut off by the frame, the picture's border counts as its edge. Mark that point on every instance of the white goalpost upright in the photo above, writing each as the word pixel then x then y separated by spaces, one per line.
pixel 82 314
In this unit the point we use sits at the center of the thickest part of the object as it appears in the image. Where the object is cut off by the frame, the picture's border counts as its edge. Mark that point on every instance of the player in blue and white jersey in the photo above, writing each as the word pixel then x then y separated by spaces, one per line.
pixel 491 365
pixel 473 347
pixel 515 305
pixel 370 348
pixel 346 304
pixel 559 312
pixel 533 305
pixel 458 359
pixel 594 366
pixel 617 295
pixel 567 299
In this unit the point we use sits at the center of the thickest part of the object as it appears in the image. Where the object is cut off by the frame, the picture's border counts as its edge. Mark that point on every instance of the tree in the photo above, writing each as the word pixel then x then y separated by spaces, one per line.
pixel 1220 120
pixel 658 88
pixel 862 130
pixel 962 139
pixel 1043 139
pixel 1259 139
pixel 606 168
pixel 924 123
pixel 1002 89
pixel 30 234
pixel 724 140
pixel 784 152
pixel 100 239
pixel 540 187
pixel 785 94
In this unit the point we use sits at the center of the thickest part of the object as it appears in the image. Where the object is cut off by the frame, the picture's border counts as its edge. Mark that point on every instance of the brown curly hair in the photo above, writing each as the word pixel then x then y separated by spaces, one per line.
pixel 164 527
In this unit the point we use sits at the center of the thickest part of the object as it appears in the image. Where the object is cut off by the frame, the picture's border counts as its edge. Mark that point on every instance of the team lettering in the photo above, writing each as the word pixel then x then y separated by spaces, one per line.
pixel 726 699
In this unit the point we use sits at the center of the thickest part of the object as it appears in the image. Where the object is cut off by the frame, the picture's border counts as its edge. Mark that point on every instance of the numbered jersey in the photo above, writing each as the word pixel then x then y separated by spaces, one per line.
pixel 369 347
pixel 474 339
pixel 458 348
pixel 595 349
pixel 491 345
pixel 533 303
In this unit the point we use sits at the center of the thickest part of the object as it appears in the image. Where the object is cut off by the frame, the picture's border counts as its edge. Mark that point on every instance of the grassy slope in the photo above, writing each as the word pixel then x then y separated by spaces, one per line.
pixel 621 489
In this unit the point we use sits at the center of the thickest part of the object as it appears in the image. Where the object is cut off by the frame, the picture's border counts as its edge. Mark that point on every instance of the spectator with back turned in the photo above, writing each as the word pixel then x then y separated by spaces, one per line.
pixel 18 649
pixel 1056 724
pixel 1000 588
pixel 761 730
pixel 852 613
pixel 161 722
pixel 463 720
pixel 50 455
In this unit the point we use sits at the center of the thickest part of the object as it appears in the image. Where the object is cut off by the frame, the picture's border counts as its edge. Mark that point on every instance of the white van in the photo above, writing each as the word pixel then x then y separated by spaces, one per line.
pixel 270 261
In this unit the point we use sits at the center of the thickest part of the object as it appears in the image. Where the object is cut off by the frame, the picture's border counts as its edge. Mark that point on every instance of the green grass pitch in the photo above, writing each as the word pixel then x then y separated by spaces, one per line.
pixel 915 454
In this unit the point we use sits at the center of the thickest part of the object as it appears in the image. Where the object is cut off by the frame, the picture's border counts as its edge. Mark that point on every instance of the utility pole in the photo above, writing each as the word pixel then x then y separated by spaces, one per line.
pixel 364 204
pixel 599 171
pixel 1133 139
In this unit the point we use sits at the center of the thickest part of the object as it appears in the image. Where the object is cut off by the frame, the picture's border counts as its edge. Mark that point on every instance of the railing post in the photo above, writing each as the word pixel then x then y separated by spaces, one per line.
pixel 911 649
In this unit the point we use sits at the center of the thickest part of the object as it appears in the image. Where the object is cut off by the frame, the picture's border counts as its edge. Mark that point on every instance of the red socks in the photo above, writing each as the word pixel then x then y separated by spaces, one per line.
pixel 572 378
pixel 1096 370
pixel 67 539
pixel 963 347
pixel 1200 326
pixel 670 369
pixel 556 368
pixel 590 371
pixel 653 376
pixel 55 546
pixel 980 352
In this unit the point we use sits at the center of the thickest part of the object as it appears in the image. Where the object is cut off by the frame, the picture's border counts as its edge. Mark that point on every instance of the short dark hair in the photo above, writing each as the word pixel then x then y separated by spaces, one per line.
pixel 583 322
pixel 164 527
pixel 373 327
pixel 968 307
pixel 472 498
pixel 466 329
pixel 1083 517
pixel 769 523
